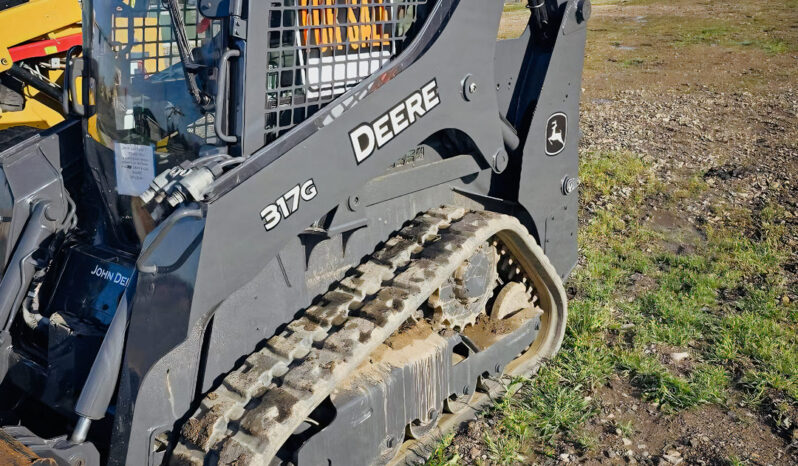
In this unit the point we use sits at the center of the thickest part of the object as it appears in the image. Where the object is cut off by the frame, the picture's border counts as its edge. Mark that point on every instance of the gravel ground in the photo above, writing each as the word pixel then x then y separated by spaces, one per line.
pixel 744 145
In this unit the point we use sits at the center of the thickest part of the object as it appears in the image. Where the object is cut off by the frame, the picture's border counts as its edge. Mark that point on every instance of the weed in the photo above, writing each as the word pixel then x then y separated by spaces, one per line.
pixel 625 428
pixel 632 62
pixel 707 35
pixel 440 456
pixel 735 460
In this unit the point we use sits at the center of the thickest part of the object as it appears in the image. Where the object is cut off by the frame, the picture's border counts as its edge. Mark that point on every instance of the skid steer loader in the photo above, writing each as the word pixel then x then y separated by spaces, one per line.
pixel 35 38
pixel 287 231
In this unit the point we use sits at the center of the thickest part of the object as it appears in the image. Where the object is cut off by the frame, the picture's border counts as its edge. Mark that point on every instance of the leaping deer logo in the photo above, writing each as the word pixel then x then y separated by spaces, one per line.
pixel 555 134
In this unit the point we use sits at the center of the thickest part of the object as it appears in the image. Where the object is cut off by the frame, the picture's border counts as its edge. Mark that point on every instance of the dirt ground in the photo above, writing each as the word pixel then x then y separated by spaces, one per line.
pixel 705 95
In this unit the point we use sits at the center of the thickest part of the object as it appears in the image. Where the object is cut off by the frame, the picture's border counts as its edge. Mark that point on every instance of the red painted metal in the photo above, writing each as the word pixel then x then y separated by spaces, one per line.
pixel 43 48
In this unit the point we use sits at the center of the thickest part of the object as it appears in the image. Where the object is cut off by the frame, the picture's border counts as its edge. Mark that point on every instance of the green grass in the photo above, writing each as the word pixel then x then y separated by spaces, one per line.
pixel 705 32
pixel 747 345
pixel 734 460
pixel 708 35
pixel 440 456
pixel 625 428
pixel 772 46
pixel 633 62
pixel 511 7
pixel 666 33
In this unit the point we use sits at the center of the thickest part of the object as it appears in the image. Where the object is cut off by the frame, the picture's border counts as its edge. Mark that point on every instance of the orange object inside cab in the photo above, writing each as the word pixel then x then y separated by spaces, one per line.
pixel 363 26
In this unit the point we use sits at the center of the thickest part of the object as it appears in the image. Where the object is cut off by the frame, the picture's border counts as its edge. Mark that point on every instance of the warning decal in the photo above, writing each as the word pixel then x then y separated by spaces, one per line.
pixel 135 168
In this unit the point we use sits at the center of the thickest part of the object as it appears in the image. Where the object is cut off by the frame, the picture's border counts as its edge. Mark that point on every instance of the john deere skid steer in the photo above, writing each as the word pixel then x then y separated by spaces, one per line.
pixel 287 231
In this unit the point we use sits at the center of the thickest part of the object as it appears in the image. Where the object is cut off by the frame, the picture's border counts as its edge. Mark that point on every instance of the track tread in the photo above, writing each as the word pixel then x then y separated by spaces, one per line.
pixel 259 405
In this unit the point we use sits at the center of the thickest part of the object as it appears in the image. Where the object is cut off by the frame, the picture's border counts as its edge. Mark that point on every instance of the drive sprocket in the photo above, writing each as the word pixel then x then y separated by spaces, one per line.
pixel 463 296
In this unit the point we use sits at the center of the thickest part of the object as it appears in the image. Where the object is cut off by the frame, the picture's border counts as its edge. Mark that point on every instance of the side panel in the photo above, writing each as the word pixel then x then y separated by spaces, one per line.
pixel 542 177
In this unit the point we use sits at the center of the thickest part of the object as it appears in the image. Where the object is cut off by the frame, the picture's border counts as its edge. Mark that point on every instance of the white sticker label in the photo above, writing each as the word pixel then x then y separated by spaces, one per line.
pixel 135 168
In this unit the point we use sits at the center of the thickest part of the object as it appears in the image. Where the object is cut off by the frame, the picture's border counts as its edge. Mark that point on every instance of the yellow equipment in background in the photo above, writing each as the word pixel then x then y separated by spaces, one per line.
pixel 34 38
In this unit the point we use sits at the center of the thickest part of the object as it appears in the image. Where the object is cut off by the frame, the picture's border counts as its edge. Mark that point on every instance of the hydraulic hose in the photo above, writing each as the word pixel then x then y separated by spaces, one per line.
pixel 540 13
pixel 46 88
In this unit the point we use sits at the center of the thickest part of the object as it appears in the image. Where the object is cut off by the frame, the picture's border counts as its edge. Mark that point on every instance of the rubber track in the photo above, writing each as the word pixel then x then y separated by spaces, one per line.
pixel 260 404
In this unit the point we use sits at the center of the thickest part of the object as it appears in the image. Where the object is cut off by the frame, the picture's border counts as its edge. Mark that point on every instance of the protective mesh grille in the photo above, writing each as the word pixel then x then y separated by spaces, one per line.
pixel 318 49
pixel 147 39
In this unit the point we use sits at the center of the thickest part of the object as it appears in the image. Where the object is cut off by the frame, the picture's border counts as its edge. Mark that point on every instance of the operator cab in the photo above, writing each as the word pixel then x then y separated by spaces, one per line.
pixel 150 111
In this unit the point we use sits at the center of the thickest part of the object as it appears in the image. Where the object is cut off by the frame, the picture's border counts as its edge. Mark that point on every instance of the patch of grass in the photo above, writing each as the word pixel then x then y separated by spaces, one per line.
pixel 721 33
pixel 544 409
pixel 625 428
pixel 766 348
pixel 511 7
pixel 756 335
pixel 707 35
pixel 587 365
pixel 441 456
pixel 690 188
pixel 503 449
pixel 710 383
pixel 633 62
pixel 656 383
pixel 735 460
pixel 606 172
pixel 770 45
pixel 585 441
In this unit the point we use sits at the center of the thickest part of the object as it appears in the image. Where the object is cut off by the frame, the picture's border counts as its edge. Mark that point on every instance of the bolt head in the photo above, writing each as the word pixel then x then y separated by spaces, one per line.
pixel 4 61
pixel 470 87
pixel 500 161
pixel 583 11
pixel 569 185
pixel 354 202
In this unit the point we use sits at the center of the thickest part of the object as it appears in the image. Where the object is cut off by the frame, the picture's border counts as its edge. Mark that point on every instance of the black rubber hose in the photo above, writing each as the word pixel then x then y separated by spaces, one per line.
pixel 540 13
pixel 50 90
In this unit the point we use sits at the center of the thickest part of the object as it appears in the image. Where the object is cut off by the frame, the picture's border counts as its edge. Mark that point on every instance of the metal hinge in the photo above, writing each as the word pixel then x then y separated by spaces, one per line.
pixel 239 27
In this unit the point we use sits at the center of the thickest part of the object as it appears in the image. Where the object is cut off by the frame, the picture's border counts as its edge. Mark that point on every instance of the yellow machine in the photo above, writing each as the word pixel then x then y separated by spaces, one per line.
pixel 35 36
